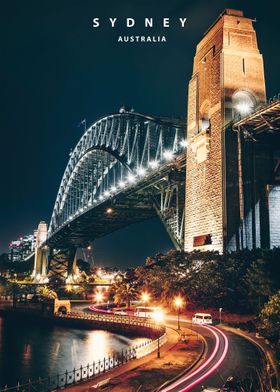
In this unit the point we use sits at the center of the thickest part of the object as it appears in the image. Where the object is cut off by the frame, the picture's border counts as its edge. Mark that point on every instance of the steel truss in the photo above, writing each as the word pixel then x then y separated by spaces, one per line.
pixel 119 153
pixel 61 263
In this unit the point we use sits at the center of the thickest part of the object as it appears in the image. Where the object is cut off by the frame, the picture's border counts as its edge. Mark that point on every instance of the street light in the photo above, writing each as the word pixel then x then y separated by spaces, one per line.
pixel 145 298
pixel 178 301
pixel 98 297
pixel 220 311
pixel 158 317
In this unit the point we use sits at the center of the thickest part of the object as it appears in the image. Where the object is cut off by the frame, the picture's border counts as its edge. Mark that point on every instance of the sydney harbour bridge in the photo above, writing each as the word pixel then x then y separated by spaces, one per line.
pixel 213 179
pixel 127 167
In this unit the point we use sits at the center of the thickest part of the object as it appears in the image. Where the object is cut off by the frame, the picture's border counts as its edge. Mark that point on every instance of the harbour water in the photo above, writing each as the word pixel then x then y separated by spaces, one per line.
pixel 30 350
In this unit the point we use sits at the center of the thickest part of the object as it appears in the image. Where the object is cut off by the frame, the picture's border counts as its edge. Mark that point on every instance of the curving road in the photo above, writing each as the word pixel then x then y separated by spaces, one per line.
pixel 216 355
pixel 227 355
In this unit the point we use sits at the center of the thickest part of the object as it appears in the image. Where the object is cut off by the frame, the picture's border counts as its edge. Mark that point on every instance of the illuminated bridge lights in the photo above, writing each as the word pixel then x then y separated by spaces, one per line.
pixel 153 164
pixel 117 153
pixel 141 172
pixel 168 155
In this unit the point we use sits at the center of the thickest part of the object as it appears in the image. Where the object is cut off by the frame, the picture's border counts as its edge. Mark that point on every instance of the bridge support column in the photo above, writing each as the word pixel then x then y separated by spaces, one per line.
pixel 41 253
pixel 62 263
pixel 228 81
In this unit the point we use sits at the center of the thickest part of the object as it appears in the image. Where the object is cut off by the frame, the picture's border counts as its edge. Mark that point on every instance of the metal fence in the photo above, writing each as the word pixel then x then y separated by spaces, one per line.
pixel 89 371
pixel 111 318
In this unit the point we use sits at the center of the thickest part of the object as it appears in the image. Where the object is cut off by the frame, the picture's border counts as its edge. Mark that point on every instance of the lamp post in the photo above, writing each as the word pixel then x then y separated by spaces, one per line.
pixel 98 298
pixel 220 311
pixel 178 303
pixel 158 317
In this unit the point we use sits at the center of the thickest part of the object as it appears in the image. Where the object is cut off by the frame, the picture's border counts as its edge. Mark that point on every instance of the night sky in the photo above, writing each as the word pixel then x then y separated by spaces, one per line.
pixel 56 70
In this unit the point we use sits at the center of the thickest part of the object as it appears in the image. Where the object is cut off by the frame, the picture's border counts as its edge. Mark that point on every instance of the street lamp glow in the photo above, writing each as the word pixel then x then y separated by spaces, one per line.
pixel 145 297
pixel 168 155
pixel 178 302
pixel 98 297
pixel 158 316
pixel 109 210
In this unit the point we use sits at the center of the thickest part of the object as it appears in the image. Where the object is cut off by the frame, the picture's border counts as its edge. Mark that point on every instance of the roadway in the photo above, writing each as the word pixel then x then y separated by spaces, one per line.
pixel 227 354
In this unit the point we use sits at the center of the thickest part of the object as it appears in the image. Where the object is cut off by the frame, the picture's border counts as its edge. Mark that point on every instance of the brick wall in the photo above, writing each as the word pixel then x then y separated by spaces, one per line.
pixel 227 60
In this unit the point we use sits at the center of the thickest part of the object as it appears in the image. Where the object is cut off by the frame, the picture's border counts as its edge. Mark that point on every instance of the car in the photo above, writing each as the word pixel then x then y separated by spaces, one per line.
pixel 120 313
pixel 211 389
pixel 202 318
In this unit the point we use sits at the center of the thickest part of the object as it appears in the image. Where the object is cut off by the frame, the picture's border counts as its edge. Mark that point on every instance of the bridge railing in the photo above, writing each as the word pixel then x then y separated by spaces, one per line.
pixel 110 318
pixel 89 371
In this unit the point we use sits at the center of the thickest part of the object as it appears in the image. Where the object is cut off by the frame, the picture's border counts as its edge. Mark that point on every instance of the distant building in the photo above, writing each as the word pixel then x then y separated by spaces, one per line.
pixel 22 247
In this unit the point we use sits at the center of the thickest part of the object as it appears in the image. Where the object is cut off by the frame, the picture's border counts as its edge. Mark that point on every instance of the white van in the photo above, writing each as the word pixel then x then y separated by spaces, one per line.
pixel 202 318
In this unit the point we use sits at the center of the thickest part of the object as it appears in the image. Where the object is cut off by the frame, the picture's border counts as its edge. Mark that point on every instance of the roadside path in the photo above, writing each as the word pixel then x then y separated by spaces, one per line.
pixel 149 372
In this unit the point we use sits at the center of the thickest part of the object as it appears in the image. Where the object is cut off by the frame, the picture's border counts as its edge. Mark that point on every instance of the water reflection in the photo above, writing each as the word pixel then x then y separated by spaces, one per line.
pixel 29 350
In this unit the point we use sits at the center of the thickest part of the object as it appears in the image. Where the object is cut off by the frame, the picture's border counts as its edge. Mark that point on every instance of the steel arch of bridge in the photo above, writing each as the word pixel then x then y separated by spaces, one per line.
pixel 112 154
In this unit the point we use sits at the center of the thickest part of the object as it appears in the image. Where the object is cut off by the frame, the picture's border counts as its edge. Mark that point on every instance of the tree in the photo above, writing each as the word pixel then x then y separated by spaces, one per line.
pixel 125 293
pixel 270 318
pixel 259 282
pixel 47 293
pixel 124 290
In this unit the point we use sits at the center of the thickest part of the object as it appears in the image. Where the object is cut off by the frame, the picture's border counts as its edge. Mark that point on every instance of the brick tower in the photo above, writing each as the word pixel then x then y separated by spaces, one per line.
pixel 228 80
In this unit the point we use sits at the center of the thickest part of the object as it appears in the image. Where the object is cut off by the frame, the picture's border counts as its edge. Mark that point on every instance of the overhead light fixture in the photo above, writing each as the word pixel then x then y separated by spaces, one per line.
pixel 121 184
pixel 184 143
pixel 141 171
pixel 168 155
pixel 153 164
pixel 244 108
pixel 131 178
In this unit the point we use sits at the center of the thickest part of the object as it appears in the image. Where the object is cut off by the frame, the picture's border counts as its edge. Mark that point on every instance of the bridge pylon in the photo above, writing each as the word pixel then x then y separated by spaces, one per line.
pixel 62 264
pixel 41 254
pixel 227 82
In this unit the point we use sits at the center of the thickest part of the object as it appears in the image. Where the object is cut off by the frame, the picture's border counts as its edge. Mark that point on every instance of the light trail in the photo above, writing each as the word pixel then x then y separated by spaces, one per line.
pixel 94 308
pixel 220 345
